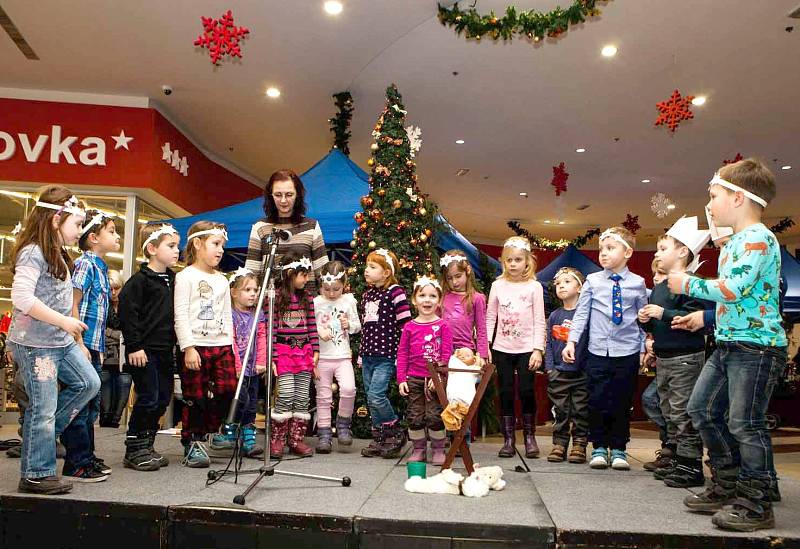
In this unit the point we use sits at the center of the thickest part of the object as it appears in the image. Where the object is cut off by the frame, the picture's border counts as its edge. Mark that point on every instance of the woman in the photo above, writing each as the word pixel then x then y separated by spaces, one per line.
pixel 285 208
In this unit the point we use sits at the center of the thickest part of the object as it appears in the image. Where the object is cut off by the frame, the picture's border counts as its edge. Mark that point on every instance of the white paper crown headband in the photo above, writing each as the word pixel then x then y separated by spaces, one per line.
pixel 717 180
pixel 566 271
pixel 241 271
pixel 216 231
pixel 518 243
pixel 70 206
pixel 303 263
pixel 446 260
pixel 427 281
pixel 329 278
pixel 155 235
pixel 385 254
pixel 96 219
pixel 609 233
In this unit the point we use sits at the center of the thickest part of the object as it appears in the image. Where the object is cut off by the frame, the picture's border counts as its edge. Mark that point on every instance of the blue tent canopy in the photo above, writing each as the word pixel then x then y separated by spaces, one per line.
pixel 334 187
pixel 790 284
pixel 571 257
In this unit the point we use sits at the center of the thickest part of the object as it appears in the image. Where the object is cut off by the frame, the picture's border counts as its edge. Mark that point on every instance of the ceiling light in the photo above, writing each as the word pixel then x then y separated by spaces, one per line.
pixel 581 150
pixel 645 181
pixel 333 7
pixel 560 222
pixel 699 100
pixel 547 221
pixel 671 206
pixel 459 141
pixel 787 167
pixel 609 51
pixel 524 195
pixel 273 92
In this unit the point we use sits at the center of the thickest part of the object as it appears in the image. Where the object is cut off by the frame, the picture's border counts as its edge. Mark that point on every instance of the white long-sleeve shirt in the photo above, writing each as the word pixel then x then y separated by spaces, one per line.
pixel 202 309
pixel 327 313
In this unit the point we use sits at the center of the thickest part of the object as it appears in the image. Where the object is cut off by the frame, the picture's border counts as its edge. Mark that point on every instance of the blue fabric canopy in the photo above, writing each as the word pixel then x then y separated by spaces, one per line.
pixel 790 284
pixel 571 257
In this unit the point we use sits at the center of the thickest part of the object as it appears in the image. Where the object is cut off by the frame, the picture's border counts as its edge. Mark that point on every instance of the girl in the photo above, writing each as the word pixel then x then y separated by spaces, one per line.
pixel 337 318
pixel 516 305
pixel 244 292
pixel 204 328
pixel 425 339
pixel 42 338
pixel 567 381
pixel 384 311
pixel 296 352
pixel 115 386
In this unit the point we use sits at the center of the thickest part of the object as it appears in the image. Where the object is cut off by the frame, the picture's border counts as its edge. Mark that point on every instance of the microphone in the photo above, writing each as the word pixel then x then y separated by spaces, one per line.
pixel 282 234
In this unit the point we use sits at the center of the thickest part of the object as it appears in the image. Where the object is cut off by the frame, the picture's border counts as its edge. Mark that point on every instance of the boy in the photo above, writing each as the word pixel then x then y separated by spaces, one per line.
pixel 91 293
pixel 609 302
pixel 679 354
pixel 148 329
pixel 738 379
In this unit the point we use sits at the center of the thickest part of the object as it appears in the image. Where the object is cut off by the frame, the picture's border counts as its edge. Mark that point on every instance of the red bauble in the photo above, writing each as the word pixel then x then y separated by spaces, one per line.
pixel 376 214
pixel 359 217
pixel 363 226
pixel 367 201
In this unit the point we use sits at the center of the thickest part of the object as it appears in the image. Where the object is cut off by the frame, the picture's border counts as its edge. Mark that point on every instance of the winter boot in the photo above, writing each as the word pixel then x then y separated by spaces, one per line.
pixel 250 447
pixel 162 460
pixel 687 473
pixel 279 427
pixel 343 433
pixel 138 455
pixel 578 452
pixel 750 511
pixel 226 438
pixel 324 441
pixel 663 472
pixel 420 446
pixel 509 437
pixel 528 430
pixel 663 457
pixel 774 493
pixel 437 448
pixel 394 439
pixel 297 434
pixel 557 454
pixel 374 448
pixel 721 492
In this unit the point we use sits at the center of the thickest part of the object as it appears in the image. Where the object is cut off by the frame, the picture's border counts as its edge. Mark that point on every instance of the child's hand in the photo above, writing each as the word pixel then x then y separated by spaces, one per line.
pixel 274 369
pixel 73 327
pixel 138 359
pixel 316 358
pixel 568 354
pixel 325 334
pixel 344 322
pixel 677 282
pixel 403 387
pixel 648 344
pixel 653 311
pixel 261 368
pixel 642 316
pixel 316 372
pixel 489 358
pixel 191 359
pixel 692 322
pixel 535 361
pixel 431 385
pixel 641 359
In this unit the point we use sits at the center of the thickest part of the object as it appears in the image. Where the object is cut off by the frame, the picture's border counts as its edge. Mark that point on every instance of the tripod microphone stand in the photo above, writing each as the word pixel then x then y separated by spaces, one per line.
pixel 267 469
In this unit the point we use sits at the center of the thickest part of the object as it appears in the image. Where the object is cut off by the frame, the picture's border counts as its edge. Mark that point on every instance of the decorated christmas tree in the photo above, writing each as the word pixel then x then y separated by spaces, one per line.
pixel 396 216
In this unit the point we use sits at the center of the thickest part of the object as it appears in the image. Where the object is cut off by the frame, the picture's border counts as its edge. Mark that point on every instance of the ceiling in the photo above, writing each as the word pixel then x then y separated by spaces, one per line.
pixel 520 108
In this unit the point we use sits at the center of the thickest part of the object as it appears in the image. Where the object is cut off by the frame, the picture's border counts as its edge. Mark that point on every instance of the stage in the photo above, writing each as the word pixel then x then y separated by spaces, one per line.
pixel 553 505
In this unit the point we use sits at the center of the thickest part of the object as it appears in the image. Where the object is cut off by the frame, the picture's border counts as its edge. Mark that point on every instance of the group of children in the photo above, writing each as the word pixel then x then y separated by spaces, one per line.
pixel 591 348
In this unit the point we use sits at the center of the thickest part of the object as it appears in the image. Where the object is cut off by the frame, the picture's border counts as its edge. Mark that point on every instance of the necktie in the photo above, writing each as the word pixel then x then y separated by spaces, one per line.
pixel 616 300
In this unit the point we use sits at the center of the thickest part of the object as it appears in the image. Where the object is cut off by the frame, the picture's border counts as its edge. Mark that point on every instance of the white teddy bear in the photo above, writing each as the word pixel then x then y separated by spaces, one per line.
pixel 477 485
pixel 446 482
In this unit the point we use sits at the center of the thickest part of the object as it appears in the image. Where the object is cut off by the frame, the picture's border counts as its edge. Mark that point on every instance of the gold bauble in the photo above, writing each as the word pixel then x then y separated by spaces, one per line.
pixel 397 204
pixel 352 243
pixel 428 232
pixel 371 162
pixel 372 244
pixel 413 241
pixel 423 237
pixel 381 192
pixel 422 211
pixel 374 146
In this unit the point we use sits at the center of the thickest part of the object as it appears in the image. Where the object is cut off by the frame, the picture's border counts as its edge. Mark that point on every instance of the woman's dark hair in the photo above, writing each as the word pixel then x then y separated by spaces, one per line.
pixel 299 210
pixel 286 287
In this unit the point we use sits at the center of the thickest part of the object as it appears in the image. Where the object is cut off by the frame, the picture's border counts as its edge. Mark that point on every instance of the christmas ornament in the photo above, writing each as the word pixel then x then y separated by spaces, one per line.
pixel 381 192
pixel 660 205
pixel 422 211
pixel 352 243
pixel 383 170
pixel 674 110
pixel 413 241
pixel 735 159
pixel 428 232
pixel 372 244
pixel 398 109
pixel 359 217
pixel 376 214
pixel 410 193
pixel 397 204
pixel 414 134
pixel 374 147
pixel 221 37
pixel 559 181
pixel 363 226
pixel 423 237
pixel 371 162
pixel 367 201
pixel 410 163
pixel 631 223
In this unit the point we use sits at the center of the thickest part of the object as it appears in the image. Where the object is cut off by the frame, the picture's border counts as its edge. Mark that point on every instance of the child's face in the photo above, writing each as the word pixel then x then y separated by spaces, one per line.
pixel 613 254
pixel 332 290
pixel 300 279
pixel 567 287
pixel 659 277
pixel 670 255
pixel 244 297
pixel 722 206
pixel 457 278
pixel 115 293
pixel 375 275
pixel 167 251
pixel 70 230
pixel 210 250
pixel 426 299
pixel 515 262
pixel 107 239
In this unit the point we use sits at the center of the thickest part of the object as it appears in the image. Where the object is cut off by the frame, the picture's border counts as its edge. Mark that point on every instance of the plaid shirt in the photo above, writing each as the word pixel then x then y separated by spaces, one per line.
pixel 91 278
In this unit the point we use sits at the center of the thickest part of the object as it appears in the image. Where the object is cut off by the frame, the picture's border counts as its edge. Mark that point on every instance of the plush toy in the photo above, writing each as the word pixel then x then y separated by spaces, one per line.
pixel 446 482
pixel 460 387
pixel 477 485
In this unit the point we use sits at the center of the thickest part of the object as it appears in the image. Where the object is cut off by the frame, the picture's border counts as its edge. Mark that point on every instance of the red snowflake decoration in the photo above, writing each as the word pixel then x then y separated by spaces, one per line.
pixel 560 177
pixel 221 37
pixel 735 159
pixel 632 223
pixel 674 110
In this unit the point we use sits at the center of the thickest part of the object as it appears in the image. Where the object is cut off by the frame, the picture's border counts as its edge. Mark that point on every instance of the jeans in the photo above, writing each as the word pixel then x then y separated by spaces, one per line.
pixel 248 401
pixel 652 408
pixel 507 364
pixel 612 382
pixel 115 388
pixel 154 385
pixel 51 410
pixel 78 437
pixel 738 379
pixel 676 377
pixel 377 372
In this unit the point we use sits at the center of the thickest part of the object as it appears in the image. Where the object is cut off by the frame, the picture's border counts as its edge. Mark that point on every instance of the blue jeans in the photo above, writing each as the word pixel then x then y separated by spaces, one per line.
pixel 78 437
pixel 51 410
pixel 377 372
pixel 652 408
pixel 738 379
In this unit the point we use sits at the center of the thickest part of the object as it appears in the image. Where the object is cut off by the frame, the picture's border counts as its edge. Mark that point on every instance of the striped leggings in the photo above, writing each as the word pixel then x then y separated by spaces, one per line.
pixel 294 395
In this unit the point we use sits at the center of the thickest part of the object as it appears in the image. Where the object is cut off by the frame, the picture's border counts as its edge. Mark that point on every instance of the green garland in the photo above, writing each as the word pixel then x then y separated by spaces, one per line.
pixel 783 225
pixel 546 244
pixel 532 24
pixel 340 124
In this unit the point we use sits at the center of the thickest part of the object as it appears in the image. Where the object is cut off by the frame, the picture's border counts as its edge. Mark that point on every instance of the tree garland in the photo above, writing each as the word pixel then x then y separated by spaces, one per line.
pixel 782 226
pixel 533 25
pixel 340 124
pixel 547 244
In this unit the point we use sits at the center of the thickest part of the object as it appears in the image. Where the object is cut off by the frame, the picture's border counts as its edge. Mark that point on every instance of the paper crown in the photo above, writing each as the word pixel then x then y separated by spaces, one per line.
pixel 686 231
pixel 717 233
pixel 302 263
pixel 329 278
pixel 447 259
pixel 241 271
pixel 425 280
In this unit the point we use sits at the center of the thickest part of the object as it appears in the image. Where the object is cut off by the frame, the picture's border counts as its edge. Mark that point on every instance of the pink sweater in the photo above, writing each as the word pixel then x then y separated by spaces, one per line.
pixel 518 310
pixel 421 343
pixel 468 328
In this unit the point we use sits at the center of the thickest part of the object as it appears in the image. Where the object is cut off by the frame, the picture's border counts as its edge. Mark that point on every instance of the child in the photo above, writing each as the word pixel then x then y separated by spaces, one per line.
pixel 295 356
pixel 750 355
pixel 607 307
pixel 516 305
pixel 90 300
pixel 566 382
pixel 147 321
pixel 384 311
pixel 425 339
pixel 42 337
pixel 337 318
pixel 680 354
pixel 115 386
pixel 204 329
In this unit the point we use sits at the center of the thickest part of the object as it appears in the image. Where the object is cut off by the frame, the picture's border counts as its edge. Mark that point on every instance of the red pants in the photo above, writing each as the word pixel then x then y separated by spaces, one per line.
pixel 207 392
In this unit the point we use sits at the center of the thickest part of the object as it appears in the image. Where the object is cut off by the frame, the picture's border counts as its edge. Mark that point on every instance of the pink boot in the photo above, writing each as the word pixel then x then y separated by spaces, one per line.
pixel 420 447
pixel 437 446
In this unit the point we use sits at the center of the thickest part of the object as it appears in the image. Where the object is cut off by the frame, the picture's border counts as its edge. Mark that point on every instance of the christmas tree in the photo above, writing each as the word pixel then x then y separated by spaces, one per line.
pixel 395 215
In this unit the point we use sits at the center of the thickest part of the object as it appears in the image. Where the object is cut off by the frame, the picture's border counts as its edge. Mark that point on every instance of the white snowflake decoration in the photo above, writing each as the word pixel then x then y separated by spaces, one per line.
pixel 414 134
pixel 410 193
pixel 660 204
pixel 398 109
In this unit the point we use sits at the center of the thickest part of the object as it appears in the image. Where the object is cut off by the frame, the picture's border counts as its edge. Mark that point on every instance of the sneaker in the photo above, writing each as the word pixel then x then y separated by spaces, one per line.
pixel 619 461
pixel 599 458
pixel 47 485
pixel 86 474
pixel 663 458
pixel 225 439
pixel 100 466
pixel 196 456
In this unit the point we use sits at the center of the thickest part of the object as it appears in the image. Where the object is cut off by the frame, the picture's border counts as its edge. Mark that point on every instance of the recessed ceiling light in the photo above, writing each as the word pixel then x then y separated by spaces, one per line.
pixel 787 167
pixel 333 7
pixel 273 92
pixel 560 222
pixel 459 141
pixel 581 150
pixel 547 221
pixel 524 195
pixel 645 181
pixel 699 100
pixel 609 50
pixel 671 206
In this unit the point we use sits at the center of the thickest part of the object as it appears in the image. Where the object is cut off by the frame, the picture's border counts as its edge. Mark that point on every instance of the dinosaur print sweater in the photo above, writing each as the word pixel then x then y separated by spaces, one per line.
pixel 747 290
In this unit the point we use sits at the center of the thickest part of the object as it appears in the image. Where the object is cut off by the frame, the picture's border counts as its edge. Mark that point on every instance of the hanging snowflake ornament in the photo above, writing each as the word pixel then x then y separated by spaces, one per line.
pixel 559 180
pixel 674 110
pixel 632 223
pixel 735 159
pixel 414 134
pixel 398 109
pixel 660 205
pixel 221 37
pixel 410 193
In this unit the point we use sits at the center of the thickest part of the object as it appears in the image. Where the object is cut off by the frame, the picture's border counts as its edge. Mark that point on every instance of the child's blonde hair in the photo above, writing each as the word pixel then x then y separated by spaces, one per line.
pixel 380 259
pixel 571 271
pixel 522 244
pixel 115 278
pixel 333 269
pixel 238 282
pixel 458 259
pixel 623 233
pixel 191 254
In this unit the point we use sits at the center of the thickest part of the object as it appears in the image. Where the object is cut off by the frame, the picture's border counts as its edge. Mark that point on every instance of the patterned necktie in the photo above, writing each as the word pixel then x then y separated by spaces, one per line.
pixel 616 300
